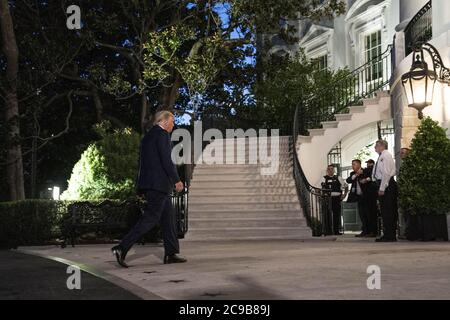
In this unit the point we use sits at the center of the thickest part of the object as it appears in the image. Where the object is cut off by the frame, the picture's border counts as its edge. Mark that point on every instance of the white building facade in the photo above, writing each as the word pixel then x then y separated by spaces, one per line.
pixel 367 30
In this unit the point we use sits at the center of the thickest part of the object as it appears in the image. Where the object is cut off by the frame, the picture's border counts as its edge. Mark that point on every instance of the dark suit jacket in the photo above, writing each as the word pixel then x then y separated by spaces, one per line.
pixel 367 173
pixel 352 196
pixel 365 187
pixel 156 169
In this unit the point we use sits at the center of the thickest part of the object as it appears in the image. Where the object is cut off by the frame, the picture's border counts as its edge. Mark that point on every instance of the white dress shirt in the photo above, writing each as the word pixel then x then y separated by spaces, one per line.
pixel 384 169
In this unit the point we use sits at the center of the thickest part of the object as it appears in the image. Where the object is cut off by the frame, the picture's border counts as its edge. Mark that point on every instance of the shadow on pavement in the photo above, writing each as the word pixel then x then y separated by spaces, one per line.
pixel 27 277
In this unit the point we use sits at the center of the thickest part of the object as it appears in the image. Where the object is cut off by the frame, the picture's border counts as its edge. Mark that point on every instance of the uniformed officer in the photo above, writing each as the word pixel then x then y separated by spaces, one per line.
pixel 383 175
pixel 339 190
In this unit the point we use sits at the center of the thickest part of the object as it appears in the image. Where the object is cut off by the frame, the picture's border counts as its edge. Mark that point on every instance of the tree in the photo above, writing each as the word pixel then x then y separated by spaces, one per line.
pixel 287 81
pixel 72 79
pixel 173 45
pixel 14 165
pixel 424 180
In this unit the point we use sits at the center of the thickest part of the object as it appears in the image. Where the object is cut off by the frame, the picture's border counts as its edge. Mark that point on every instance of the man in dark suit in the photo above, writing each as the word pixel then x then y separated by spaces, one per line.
pixel 156 179
pixel 370 197
pixel 356 195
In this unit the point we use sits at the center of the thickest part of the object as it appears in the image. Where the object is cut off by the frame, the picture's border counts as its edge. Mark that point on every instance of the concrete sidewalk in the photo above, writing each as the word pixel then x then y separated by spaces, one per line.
pixel 315 269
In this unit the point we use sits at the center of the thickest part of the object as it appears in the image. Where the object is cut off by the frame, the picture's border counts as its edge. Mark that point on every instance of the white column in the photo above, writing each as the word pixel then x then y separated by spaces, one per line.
pixel 441 17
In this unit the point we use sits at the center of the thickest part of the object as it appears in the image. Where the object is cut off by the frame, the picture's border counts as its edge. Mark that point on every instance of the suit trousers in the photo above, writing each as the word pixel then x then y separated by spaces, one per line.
pixel 371 209
pixel 159 209
pixel 363 216
pixel 334 226
pixel 389 210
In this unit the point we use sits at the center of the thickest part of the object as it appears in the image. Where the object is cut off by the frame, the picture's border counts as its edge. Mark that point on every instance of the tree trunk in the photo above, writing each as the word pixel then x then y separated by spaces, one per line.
pixel 98 105
pixel 14 168
pixel 170 94
pixel 144 113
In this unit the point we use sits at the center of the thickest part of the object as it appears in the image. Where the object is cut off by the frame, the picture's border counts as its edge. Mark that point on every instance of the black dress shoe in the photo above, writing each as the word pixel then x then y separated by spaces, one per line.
pixel 361 235
pixel 120 254
pixel 383 239
pixel 174 258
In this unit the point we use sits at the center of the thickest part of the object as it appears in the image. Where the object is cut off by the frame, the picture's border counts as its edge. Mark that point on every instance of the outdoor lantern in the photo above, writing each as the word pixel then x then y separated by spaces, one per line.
pixel 419 83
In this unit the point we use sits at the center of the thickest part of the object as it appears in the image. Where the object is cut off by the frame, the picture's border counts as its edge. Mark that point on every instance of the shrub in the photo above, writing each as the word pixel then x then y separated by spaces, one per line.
pixel 30 222
pixel 108 168
pixel 424 180
pixel 40 222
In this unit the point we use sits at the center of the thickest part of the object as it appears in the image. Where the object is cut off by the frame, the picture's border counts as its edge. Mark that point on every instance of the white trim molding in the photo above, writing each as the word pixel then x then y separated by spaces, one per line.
pixel 361 24
pixel 320 45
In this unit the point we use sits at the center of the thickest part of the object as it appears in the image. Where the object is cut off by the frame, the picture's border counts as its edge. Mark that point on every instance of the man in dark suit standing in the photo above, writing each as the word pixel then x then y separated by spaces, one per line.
pixel 370 197
pixel 157 178
pixel 356 195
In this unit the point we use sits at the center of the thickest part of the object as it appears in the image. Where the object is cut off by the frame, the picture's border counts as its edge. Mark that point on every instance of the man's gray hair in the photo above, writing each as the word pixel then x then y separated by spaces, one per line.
pixel 162 116
pixel 383 143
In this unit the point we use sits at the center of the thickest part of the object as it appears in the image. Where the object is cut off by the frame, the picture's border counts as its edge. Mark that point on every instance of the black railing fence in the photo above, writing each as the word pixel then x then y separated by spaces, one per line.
pixel 420 28
pixel 180 201
pixel 315 202
pixel 346 91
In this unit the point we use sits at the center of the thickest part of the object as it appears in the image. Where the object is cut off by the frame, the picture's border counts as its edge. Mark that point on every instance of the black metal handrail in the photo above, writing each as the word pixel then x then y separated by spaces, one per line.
pixel 420 28
pixel 346 91
pixel 315 202
pixel 180 202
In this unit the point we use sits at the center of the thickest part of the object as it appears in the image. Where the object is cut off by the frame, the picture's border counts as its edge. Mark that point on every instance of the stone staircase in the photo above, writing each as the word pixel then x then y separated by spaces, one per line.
pixel 238 202
pixel 320 141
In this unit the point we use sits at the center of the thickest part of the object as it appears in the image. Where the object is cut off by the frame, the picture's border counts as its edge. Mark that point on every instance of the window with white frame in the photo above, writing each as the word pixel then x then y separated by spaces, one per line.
pixel 322 63
pixel 372 49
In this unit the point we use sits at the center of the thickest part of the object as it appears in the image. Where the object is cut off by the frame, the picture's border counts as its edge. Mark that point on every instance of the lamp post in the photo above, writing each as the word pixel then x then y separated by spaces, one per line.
pixel 420 81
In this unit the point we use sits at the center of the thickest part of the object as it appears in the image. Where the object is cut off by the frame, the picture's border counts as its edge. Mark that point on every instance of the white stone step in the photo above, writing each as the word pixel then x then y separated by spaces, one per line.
pixel 237 171
pixel 246 223
pixel 330 124
pixel 371 102
pixel 241 177
pixel 235 201
pixel 282 163
pixel 243 183
pixel 243 206
pixel 304 139
pixel 343 117
pixel 198 191
pixel 248 233
pixel 316 132
pixel 249 199
pixel 250 213
pixel 357 109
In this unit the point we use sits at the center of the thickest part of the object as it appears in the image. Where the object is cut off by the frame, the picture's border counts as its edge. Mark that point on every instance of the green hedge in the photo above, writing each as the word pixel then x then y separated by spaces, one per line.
pixel 39 222
pixel 30 222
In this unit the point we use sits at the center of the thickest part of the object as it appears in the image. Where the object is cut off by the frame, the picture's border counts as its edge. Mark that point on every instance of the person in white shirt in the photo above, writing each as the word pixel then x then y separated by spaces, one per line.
pixel 338 190
pixel 383 175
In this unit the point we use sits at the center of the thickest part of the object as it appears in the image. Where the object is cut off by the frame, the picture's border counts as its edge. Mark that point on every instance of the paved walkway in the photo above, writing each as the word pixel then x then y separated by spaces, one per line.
pixel 315 269
pixel 25 277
